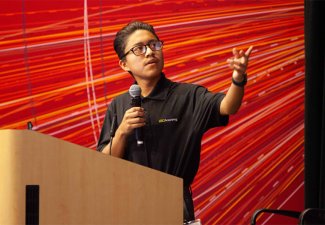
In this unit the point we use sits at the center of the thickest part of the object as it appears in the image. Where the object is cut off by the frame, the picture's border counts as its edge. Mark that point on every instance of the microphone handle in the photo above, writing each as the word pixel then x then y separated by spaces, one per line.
pixel 136 102
pixel 138 136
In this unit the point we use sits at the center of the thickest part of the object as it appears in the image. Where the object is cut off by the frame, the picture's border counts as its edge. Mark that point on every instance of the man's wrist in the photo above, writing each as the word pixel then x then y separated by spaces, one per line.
pixel 241 83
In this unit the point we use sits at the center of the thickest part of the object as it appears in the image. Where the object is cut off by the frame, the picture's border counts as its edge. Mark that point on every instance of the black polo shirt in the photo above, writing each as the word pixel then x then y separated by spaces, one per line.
pixel 177 115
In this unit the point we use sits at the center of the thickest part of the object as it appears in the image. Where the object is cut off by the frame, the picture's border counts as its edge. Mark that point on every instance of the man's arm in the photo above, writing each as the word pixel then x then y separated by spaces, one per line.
pixel 133 118
pixel 233 99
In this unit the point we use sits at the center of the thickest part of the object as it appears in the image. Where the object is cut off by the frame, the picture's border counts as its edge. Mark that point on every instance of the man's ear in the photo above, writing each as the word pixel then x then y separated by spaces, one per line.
pixel 124 66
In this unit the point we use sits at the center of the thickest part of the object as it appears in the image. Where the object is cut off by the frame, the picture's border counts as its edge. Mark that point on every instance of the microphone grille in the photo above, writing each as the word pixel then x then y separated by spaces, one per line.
pixel 135 90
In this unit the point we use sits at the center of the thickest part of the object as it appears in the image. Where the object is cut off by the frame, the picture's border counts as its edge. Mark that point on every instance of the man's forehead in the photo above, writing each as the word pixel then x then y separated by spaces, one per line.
pixel 140 37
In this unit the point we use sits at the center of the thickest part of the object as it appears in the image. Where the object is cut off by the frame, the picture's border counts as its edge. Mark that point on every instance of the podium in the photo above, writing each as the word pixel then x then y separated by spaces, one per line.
pixel 53 181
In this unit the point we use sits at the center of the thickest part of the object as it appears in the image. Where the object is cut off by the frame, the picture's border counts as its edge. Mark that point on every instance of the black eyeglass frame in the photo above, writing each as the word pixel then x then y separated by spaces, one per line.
pixel 146 46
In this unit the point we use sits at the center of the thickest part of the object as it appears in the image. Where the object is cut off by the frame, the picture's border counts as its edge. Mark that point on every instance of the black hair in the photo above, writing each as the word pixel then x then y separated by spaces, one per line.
pixel 123 35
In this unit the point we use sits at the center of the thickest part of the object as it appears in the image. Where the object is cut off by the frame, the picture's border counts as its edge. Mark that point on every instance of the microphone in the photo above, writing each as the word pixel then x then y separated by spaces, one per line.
pixel 135 92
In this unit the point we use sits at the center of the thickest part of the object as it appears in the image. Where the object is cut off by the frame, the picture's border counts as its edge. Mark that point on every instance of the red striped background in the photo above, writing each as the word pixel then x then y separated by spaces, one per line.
pixel 59 71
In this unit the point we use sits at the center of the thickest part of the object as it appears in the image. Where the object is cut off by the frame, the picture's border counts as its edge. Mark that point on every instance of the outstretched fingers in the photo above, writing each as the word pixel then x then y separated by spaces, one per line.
pixel 248 51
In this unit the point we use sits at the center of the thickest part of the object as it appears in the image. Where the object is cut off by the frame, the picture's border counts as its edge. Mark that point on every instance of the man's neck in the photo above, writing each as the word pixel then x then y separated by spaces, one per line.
pixel 147 86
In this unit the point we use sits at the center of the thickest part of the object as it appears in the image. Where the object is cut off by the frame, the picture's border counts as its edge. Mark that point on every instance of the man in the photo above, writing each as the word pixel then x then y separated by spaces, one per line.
pixel 173 116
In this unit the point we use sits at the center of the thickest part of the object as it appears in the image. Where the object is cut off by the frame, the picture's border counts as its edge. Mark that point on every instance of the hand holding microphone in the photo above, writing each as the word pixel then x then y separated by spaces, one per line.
pixel 134 117
pixel 135 92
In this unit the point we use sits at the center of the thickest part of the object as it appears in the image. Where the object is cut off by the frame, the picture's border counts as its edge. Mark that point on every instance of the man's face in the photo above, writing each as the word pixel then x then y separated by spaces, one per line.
pixel 147 66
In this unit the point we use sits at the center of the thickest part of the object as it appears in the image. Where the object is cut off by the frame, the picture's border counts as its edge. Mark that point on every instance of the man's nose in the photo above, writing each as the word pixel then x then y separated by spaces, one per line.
pixel 149 51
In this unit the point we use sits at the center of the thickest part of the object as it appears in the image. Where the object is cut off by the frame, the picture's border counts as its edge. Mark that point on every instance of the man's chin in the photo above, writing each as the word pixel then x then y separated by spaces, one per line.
pixel 153 73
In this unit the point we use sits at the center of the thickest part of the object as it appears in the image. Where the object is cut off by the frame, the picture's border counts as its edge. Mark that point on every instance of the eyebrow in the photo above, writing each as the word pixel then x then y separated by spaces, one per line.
pixel 141 43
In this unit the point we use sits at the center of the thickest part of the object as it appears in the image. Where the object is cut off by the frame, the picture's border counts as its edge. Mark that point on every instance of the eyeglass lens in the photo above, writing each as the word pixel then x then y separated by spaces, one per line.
pixel 153 45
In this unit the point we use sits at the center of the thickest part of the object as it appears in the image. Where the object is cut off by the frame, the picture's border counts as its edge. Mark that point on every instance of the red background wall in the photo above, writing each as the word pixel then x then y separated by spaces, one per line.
pixel 59 71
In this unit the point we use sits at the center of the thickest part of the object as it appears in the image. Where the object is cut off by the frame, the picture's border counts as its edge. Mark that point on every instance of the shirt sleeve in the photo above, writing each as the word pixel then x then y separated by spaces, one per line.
pixel 207 109
pixel 104 137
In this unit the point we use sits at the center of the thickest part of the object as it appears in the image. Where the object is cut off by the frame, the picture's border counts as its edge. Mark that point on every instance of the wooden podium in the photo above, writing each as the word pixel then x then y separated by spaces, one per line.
pixel 56 182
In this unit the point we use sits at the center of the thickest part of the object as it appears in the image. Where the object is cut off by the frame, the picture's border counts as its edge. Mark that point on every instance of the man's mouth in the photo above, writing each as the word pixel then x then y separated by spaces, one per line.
pixel 152 61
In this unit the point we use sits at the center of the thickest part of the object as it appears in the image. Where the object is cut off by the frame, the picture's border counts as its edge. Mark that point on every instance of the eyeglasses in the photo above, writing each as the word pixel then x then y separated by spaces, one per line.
pixel 138 50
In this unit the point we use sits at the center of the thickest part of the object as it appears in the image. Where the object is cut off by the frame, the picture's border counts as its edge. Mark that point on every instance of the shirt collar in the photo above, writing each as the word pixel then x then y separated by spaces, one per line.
pixel 161 90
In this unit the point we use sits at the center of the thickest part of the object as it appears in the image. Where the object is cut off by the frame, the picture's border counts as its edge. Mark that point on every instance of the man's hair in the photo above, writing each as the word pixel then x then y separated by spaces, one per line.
pixel 123 35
